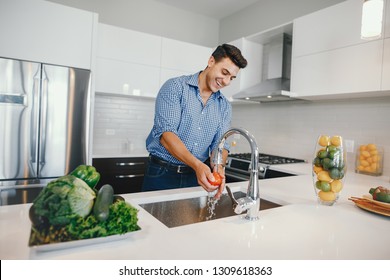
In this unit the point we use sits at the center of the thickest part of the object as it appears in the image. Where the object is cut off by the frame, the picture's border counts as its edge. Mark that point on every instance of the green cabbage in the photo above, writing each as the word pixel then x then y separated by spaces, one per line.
pixel 64 199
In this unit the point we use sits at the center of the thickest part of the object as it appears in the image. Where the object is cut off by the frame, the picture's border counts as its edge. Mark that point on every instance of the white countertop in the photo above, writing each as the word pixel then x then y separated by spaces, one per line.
pixel 301 229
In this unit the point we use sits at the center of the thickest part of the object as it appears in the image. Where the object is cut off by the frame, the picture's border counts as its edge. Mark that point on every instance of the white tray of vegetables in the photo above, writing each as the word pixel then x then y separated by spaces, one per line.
pixel 70 212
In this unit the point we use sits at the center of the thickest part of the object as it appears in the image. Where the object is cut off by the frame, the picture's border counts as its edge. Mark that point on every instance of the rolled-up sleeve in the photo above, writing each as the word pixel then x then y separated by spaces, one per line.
pixel 168 109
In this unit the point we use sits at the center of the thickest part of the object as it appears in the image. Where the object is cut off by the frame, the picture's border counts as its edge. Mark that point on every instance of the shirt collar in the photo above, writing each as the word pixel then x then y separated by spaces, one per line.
pixel 193 81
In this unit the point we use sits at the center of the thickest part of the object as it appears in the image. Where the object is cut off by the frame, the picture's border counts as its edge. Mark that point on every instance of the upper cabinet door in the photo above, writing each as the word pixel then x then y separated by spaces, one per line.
pixel 46 32
pixel 182 56
pixel 331 28
pixel 386 65
pixel 333 74
pixel 387 19
pixel 127 45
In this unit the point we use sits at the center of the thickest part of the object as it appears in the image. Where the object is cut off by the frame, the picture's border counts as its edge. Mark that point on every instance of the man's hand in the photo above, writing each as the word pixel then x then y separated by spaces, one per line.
pixel 205 177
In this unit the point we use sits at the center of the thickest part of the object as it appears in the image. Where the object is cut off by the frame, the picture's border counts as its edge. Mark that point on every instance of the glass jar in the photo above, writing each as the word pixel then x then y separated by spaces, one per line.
pixel 329 168
pixel 369 159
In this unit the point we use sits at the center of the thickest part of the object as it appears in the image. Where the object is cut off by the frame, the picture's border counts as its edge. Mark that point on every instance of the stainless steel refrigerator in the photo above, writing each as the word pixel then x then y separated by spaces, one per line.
pixel 44 121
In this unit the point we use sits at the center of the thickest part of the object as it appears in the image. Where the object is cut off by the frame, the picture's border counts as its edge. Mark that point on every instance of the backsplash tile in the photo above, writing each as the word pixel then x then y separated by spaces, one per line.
pixel 281 128
pixel 121 124
pixel 291 128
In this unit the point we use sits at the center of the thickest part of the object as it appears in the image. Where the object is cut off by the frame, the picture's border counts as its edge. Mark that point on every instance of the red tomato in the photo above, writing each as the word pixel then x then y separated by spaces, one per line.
pixel 218 179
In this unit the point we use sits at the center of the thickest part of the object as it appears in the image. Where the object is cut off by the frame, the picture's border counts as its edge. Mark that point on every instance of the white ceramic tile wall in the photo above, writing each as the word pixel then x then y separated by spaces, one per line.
pixel 121 124
pixel 283 128
pixel 291 128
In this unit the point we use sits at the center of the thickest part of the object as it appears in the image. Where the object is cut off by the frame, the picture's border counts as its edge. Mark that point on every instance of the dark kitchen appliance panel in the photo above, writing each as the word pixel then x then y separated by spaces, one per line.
pixel 238 166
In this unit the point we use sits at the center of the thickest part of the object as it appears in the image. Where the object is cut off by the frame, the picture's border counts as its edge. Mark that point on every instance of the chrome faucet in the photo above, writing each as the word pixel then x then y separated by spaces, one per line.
pixel 250 203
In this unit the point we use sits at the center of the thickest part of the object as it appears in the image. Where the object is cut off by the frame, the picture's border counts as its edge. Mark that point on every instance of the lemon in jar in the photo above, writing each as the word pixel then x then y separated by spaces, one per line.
pixel 336 186
pixel 335 140
pixel 324 176
pixel 323 140
pixel 326 196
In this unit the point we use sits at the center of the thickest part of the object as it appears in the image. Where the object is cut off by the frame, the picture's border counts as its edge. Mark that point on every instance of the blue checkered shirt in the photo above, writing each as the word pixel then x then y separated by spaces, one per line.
pixel 179 109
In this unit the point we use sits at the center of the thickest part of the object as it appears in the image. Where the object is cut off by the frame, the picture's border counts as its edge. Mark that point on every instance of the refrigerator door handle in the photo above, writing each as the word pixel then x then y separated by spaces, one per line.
pixel 35 119
pixel 44 96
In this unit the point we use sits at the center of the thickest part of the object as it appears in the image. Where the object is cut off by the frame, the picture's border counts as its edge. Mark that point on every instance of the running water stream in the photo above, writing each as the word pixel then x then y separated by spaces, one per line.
pixel 211 203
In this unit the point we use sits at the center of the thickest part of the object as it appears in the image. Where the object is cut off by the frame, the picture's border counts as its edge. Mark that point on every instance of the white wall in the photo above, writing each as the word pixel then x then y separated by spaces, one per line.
pixel 130 119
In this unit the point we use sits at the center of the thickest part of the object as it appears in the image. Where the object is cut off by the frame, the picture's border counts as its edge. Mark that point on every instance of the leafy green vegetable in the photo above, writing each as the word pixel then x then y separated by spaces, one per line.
pixel 64 199
pixel 122 219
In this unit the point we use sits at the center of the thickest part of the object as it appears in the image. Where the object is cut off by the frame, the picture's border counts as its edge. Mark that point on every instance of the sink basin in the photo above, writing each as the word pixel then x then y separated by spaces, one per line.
pixel 197 209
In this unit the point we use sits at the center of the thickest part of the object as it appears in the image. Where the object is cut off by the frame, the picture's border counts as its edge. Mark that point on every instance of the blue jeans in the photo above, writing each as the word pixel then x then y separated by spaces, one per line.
pixel 158 177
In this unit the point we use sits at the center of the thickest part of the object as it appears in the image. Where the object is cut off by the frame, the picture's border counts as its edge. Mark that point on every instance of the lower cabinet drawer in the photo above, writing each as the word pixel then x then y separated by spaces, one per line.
pixel 125 175
pixel 122 184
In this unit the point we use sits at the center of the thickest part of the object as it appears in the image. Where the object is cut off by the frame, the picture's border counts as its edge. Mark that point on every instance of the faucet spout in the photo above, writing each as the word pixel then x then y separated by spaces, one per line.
pixel 251 203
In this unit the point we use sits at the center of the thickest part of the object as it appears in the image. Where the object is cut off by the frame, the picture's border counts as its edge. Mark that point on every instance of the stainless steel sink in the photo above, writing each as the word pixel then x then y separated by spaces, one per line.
pixel 194 210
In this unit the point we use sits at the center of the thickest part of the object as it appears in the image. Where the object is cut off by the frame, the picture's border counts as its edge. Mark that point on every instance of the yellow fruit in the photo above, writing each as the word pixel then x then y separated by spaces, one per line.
pixel 364 163
pixel 336 186
pixel 324 176
pixel 360 167
pixel 363 148
pixel 327 196
pixel 374 152
pixel 317 169
pixel 323 140
pixel 365 153
pixel 335 140
pixel 371 147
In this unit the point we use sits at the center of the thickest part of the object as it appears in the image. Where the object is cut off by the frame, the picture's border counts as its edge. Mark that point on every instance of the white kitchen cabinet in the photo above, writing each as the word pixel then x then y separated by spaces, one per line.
pixel 330 60
pixel 387 19
pixel 252 73
pixel 331 28
pixel 337 72
pixel 42 31
pixel 135 63
pixel 127 45
pixel 128 62
pixel 183 57
pixel 386 65
pixel 121 77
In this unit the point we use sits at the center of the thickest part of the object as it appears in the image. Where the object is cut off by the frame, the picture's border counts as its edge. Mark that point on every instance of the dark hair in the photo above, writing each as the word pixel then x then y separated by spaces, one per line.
pixel 232 52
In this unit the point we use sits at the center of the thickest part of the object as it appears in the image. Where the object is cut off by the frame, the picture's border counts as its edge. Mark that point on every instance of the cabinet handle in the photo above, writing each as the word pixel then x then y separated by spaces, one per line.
pixel 129 163
pixel 128 176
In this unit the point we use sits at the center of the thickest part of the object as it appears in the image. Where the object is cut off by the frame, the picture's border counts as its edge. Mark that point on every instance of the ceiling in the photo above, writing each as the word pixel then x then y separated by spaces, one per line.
pixel 217 9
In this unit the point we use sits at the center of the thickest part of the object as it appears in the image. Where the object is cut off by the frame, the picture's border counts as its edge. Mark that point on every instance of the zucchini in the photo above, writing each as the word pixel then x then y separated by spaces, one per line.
pixel 104 199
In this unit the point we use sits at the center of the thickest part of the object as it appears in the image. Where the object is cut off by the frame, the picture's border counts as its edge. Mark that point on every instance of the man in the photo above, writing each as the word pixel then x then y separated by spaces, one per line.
pixel 191 115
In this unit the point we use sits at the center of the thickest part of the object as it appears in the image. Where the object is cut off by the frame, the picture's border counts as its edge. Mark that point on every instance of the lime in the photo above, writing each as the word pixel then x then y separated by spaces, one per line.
pixel 334 154
pixel 325 186
pixel 322 154
pixel 334 173
pixel 318 185
pixel 317 162
pixel 331 148
pixel 327 163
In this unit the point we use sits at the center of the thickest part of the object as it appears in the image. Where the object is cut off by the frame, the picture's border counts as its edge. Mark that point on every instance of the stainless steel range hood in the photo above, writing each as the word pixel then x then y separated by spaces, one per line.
pixel 276 73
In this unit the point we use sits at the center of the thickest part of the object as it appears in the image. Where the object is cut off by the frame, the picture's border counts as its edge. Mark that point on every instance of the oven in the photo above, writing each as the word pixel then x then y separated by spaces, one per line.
pixel 238 166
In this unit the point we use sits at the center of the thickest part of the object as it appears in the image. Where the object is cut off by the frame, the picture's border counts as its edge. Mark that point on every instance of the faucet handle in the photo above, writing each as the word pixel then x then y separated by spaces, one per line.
pixel 240 205
pixel 234 201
